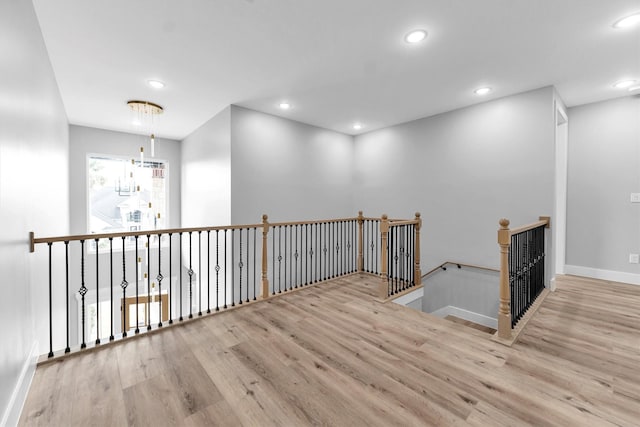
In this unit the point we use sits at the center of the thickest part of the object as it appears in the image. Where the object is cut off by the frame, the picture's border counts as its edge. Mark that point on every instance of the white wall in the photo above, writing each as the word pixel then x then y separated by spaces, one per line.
pixel 603 227
pixel 463 170
pixel 466 292
pixel 206 174
pixel 288 170
pixel 84 141
pixel 34 191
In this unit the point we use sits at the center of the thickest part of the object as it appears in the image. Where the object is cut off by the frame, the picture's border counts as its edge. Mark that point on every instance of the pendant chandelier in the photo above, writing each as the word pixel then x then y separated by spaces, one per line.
pixel 145 116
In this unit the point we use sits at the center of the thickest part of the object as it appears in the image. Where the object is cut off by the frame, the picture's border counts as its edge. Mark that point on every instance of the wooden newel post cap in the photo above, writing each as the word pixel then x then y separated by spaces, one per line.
pixel 504 223
pixel 417 214
pixel 264 218
pixel 359 213
pixel 385 217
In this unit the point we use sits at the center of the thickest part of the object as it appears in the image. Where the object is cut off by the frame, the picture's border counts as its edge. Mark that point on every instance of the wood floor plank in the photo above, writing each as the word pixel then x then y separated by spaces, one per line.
pixel 331 354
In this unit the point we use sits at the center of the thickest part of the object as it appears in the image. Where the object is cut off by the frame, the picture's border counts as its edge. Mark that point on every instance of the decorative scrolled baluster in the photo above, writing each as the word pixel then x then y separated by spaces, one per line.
pixel 124 285
pixel 240 266
pixel 233 270
pixel 159 278
pixel 148 316
pixel 208 271
pixel 217 268
pixel 180 272
pixel 190 272
pixel 137 330
pixel 82 291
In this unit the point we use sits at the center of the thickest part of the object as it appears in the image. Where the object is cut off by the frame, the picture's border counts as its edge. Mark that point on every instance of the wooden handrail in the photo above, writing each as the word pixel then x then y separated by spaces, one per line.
pixel 349 260
pixel 317 221
pixel 544 221
pixel 95 236
pixel 403 222
pixel 459 264
pixel 38 240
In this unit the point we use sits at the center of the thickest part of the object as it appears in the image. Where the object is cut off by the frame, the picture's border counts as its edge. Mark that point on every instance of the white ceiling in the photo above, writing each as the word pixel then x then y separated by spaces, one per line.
pixel 336 61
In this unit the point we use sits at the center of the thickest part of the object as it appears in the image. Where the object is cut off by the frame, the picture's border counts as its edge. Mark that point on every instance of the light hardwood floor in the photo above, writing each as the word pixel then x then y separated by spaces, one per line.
pixel 471 324
pixel 332 355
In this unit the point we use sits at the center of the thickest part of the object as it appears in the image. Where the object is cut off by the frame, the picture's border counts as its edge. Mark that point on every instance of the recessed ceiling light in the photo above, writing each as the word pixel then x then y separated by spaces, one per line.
pixel 627 21
pixel 623 84
pixel 632 88
pixel 156 84
pixel 415 36
pixel 482 91
pixel 357 126
pixel 284 106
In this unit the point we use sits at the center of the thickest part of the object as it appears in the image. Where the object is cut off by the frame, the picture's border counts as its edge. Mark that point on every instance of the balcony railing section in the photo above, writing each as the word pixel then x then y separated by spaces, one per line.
pixel 400 255
pixel 116 285
pixel 522 271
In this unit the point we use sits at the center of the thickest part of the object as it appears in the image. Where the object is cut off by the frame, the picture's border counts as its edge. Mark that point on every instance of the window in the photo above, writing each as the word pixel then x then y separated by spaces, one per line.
pixel 126 194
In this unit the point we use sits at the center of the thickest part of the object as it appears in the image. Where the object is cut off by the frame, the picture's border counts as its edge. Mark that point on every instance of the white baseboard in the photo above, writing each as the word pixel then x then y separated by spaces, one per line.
pixel 596 273
pixel 12 413
pixel 410 297
pixel 466 315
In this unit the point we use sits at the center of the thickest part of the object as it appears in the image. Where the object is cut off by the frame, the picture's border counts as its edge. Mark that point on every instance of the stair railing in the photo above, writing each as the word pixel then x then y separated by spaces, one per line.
pixel 522 271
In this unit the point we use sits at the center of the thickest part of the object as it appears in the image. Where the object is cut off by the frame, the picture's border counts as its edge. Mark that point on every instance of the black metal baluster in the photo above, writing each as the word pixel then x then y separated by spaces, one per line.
pixel 287 285
pixel 233 270
pixel 248 265
pixel 240 265
pixel 390 269
pixel 208 271
pixel 401 260
pixel 217 270
pixel 199 272
pixel 50 244
pixel 148 319
pixel 170 279
pixel 190 273
pixel 254 263
pixel 291 258
pixel 310 246
pixel 304 262
pixel 372 257
pixel 137 330
pixel 333 250
pixel 159 278
pixel 279 257
pixel 225 268
pixel 82 291
pixel 324 251
pixel 412 256
pixel 273 262
pixel 66 277
pixel 180 272
pixel 389 262
pixel 97 295
pixel 314 247
pixel 111 337
pixel 295 255
pixel 123 285
pixel 343 245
